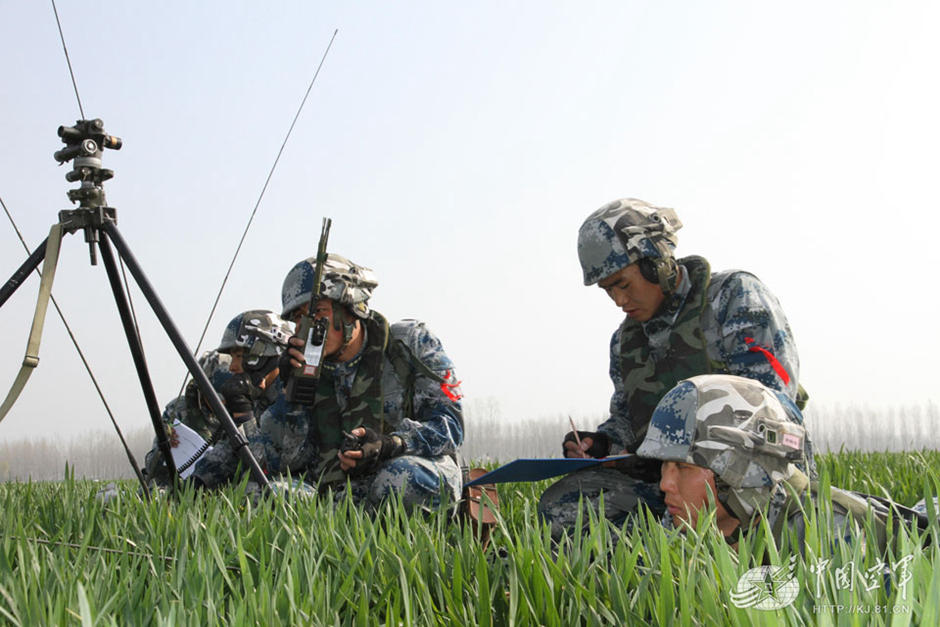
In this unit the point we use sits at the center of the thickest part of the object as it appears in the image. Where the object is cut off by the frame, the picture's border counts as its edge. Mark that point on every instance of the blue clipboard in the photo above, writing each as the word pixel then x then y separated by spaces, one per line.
pixel 538 469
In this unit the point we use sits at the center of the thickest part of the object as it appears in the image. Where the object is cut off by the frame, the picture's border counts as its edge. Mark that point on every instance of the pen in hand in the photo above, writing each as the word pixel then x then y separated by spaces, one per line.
pixel 574 430
pixel 577 438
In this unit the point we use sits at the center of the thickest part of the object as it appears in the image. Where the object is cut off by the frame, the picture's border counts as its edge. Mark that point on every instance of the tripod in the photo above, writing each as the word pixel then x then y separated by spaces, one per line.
pixel 85 143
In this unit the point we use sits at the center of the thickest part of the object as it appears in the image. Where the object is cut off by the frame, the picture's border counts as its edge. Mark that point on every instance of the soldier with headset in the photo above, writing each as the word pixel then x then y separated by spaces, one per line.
pixel 243 369
pixel 681 320
pixel 386 417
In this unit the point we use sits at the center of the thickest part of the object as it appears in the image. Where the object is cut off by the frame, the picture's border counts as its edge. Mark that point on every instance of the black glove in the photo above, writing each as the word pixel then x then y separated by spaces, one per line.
pixel 240 395
pixel 285 369
pixel 600 447
pixel 264 366
pixel 375 448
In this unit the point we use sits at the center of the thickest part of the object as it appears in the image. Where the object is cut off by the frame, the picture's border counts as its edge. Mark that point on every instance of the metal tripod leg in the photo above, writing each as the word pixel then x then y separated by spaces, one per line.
pixel 24 271
pixel 239 442
pixel 140 362
pixel 30 265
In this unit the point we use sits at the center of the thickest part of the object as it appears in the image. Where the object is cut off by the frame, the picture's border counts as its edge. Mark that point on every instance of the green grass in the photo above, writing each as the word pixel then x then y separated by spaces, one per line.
pixel 222 560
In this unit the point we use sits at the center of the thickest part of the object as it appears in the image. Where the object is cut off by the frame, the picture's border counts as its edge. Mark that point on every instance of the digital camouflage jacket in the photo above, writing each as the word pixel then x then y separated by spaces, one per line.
pixel 726 322
pixel 401 383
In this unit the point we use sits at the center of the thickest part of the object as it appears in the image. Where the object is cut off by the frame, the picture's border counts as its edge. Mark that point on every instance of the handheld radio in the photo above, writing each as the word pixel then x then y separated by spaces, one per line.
pixel 302 386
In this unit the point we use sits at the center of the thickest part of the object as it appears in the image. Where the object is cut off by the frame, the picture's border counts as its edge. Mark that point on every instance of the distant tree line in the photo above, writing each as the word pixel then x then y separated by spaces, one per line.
pixel 489 438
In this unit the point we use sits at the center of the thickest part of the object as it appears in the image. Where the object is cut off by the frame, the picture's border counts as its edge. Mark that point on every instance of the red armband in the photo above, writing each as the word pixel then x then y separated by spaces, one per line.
pixel 449 389
pixel 776 365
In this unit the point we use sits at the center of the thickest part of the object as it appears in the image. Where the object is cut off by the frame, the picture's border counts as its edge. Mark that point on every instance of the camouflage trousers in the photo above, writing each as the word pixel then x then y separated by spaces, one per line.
pixel 421 482
pixel 622 497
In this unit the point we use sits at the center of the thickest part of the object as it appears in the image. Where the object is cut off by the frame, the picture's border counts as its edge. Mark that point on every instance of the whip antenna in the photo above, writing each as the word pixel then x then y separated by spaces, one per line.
pixel 257 204
pixel 67 60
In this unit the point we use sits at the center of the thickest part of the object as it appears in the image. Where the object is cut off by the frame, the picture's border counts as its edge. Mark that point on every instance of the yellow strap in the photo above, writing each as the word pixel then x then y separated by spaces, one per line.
pixel 31 360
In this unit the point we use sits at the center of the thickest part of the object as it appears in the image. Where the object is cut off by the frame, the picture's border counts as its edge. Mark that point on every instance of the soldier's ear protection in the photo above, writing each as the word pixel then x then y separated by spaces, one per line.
pixel 262 367
pixel 648 270
pixel 661 271
pixel 252 357
pixel 256 364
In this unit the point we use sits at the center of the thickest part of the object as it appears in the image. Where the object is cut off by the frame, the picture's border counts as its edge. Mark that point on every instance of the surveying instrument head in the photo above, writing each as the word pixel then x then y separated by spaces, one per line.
pixel 84 144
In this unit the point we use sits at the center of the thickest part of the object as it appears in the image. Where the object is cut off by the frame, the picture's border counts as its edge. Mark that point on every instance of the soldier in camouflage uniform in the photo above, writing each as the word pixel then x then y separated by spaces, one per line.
pixel 243 369
pixel 191 410
pixel 682 320
pixel 390 387
pixel 733 444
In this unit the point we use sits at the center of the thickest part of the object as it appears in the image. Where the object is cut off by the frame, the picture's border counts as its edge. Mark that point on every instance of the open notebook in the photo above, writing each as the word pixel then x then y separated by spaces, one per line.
pixel 189 450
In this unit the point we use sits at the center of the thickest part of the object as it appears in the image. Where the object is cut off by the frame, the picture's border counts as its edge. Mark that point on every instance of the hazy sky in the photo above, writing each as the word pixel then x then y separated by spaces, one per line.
pixel 458 148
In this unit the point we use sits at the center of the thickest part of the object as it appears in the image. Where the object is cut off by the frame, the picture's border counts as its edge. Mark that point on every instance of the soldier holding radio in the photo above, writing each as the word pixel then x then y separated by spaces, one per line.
pixel 382 408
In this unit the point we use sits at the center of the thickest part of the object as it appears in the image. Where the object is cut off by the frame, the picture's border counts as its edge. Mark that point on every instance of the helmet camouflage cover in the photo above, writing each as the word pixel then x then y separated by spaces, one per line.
pixel 343 282
pixel 621 233
pixel 735 427
pixel 261 333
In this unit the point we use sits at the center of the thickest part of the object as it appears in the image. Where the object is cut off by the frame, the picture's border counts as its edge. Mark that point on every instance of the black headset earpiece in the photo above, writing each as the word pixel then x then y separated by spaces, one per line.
pixel 648 269
pixel 260 369
pixel 661 272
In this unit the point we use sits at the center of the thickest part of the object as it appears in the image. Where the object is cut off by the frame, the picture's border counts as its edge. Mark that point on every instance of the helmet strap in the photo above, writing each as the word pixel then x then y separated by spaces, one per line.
pixel 345 321
pixel 733 537
pixel 348 327
pixel 729 501
pixel 338 316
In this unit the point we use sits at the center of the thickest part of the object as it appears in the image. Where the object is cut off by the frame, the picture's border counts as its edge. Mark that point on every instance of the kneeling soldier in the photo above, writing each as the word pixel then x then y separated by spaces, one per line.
pixel 386 414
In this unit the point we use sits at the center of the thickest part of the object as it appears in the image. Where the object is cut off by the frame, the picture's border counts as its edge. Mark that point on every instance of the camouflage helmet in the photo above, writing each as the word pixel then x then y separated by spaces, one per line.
pixel 216 366
pixel 343 282
pixel 735 427
pixel 261 333
pixel 624 231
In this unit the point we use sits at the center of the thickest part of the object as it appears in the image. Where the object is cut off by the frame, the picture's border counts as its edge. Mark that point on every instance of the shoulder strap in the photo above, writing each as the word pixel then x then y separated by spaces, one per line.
pixel 406 363
pixel 402 357
pixel 31 360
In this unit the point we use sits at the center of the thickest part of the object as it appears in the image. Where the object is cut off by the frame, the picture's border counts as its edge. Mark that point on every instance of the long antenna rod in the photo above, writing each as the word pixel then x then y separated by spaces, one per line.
pixel 257 204
pixel 68 61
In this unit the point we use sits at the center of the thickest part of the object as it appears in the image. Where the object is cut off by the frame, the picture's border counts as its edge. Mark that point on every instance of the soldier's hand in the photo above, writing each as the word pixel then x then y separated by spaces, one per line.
pixel 593 444
pixel 240 395
pixel 291 358
pixel 366 449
